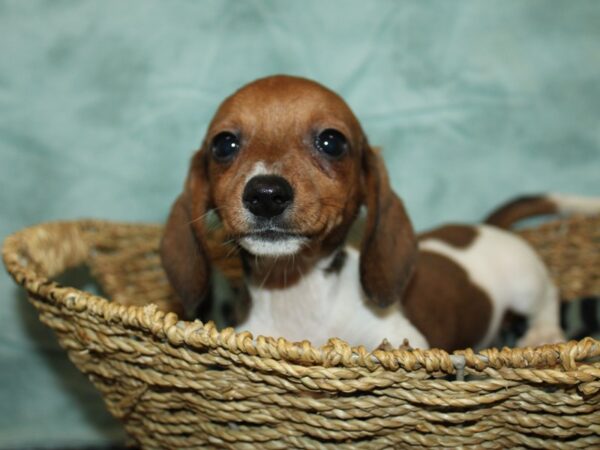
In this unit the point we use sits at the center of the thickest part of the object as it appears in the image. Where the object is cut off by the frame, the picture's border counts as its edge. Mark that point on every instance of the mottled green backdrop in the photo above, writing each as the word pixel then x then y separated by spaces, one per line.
pixel 103 102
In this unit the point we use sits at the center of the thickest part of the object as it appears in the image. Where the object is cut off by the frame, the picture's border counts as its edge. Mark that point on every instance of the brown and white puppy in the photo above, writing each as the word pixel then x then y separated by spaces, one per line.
pixel 286 166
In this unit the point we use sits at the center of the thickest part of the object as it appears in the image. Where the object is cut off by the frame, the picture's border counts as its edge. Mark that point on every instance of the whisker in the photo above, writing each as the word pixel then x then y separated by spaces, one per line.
pixel 218 208
pixel 211 227
pixel 231 251
pixel 299 270
pixel 267 275
pixel 199 218
pixel 334 205
pixel 290 260
pixel 228 242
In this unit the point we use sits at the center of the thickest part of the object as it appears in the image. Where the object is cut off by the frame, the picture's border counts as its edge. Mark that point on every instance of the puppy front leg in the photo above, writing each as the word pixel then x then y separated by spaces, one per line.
pixel 543 312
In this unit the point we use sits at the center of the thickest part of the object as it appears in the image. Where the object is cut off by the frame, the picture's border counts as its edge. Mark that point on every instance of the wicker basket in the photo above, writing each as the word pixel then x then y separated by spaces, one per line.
pixel 180 385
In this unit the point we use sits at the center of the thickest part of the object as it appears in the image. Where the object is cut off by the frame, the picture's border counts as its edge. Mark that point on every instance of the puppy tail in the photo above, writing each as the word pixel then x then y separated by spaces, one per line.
pixel 540 205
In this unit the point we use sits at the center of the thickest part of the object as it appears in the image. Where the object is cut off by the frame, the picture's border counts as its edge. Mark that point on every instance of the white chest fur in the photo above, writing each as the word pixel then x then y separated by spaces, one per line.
pixel 323 305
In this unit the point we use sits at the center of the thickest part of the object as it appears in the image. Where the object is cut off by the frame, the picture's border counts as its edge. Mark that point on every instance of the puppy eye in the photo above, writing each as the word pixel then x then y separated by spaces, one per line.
pixel 332 143
pixel 225 145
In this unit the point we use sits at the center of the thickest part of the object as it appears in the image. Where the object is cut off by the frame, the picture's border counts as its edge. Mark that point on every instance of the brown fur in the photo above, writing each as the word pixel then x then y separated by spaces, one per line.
pixel 441 301
pixel 445 305
pixel 388 249
pixel 521 208
pixel 184 256
pixel 459 236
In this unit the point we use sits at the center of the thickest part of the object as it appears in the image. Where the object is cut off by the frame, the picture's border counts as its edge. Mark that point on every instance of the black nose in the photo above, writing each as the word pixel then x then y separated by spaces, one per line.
pixel 267 195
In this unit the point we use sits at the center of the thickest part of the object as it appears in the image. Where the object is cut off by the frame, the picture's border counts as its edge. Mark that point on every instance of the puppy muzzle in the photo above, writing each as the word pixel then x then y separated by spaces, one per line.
pixel 267 197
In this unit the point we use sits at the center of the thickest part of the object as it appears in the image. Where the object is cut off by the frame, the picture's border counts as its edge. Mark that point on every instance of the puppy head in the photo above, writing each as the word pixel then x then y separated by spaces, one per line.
pixel 284 162
pixel 286 166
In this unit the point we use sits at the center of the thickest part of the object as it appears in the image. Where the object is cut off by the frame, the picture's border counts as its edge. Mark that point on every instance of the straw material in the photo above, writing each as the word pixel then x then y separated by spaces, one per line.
pixel 181 385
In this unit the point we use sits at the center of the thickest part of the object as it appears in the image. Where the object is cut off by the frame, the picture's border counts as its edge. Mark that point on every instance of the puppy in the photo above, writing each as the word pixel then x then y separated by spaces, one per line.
pixel 286 167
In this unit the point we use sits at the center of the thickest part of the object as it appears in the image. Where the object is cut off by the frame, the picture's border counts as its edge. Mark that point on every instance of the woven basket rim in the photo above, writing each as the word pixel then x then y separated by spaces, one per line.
pixel 335 353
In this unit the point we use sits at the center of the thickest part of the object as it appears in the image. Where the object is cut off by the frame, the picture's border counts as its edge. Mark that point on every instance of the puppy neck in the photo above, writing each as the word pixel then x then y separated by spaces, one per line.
pixel 281 272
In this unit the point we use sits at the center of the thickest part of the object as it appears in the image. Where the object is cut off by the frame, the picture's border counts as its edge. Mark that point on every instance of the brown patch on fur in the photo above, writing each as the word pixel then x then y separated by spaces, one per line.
pixel 459 236
pixel 443 303
pixel 521 208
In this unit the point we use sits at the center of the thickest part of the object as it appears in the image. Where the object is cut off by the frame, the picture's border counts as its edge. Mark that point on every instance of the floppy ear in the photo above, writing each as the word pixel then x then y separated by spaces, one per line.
pixel 183 250
pixel 389 246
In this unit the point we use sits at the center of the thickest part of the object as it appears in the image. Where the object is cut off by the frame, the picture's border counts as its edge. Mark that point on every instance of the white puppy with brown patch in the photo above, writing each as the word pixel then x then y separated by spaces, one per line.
pixel 286 167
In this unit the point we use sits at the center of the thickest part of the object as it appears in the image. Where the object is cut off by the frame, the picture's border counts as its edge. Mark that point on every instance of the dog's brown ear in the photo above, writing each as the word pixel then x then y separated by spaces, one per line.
pixel 183 250
pixel 389 247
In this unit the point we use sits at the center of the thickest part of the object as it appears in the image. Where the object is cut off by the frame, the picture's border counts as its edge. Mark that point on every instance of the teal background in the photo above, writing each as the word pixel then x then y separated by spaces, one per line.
pixel 103 102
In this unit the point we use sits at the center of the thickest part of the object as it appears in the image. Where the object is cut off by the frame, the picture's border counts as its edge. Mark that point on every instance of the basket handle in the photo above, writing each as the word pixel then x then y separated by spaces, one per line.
pixel 44 251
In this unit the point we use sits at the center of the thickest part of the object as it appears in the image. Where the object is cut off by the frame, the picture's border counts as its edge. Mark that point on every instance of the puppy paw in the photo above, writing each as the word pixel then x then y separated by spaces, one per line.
pixel 540 336
pixel 405 345
pixel 387 346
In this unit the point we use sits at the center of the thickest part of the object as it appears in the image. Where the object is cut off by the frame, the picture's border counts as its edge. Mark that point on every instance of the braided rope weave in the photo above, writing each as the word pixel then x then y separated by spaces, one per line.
pixel 182 385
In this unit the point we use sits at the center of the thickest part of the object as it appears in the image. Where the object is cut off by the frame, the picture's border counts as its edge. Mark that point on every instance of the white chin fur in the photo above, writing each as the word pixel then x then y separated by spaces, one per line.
pixel 267 247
